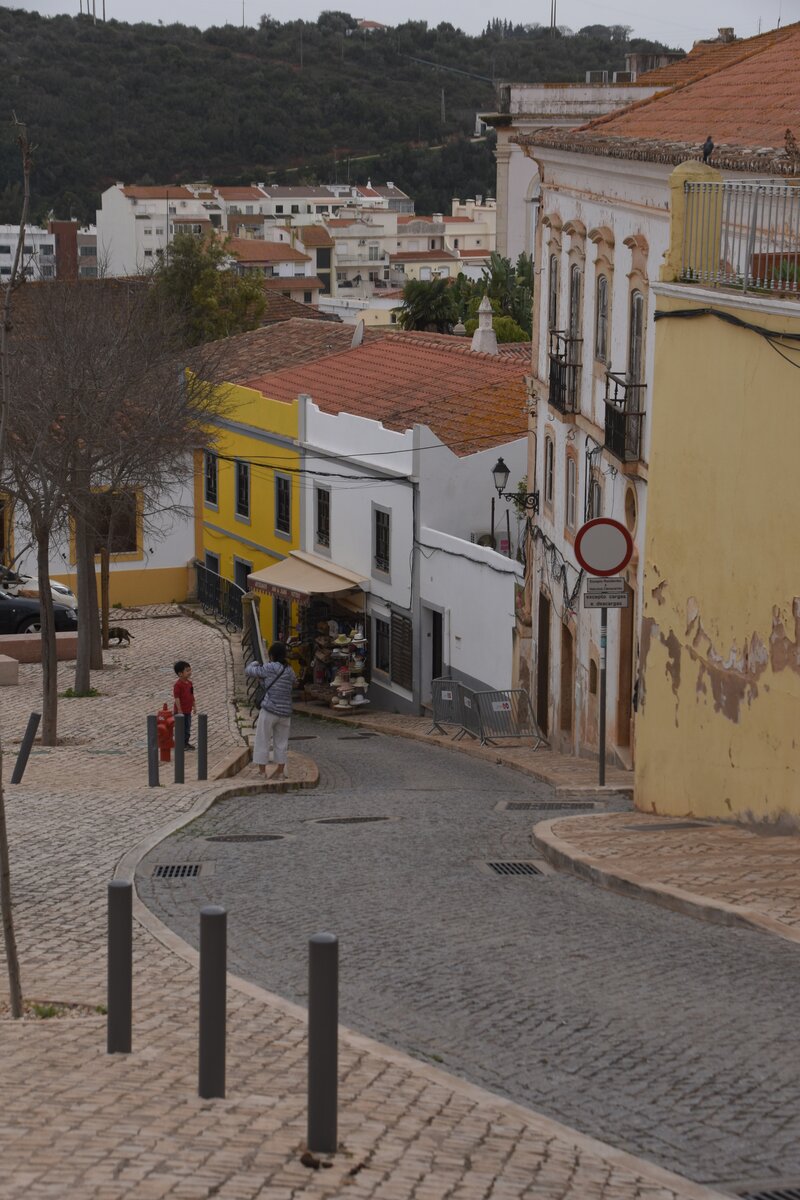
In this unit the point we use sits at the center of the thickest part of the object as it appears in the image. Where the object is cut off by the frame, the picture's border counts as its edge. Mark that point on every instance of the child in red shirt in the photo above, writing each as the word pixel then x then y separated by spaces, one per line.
pixel 183 692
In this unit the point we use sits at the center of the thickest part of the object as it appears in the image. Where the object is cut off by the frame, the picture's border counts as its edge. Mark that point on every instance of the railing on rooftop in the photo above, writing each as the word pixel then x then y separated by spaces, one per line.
pixel 743 234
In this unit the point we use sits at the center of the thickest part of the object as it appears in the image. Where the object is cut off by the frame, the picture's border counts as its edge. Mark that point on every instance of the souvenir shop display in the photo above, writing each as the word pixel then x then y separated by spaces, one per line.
pixel 333 651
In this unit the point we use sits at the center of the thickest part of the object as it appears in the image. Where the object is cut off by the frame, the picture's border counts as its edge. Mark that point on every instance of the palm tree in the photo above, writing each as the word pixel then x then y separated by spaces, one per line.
pixel 428 305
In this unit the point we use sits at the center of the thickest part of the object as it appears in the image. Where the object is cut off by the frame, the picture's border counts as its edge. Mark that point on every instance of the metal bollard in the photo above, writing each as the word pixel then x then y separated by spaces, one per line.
pixel 152 751
pixel 202 746
pixel 180 742
pixel 213 955
pixel 323 1033
pixel 120 966
pixel 25 747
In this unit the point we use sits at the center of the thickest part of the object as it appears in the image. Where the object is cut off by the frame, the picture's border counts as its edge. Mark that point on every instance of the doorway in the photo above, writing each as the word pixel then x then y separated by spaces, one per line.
pixel 437 645
pixel 567 681
pixel 625 683
pixel 543 664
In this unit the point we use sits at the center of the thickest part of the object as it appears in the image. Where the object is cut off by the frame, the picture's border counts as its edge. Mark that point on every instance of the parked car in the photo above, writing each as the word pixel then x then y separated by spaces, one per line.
pixel 21 614
pixel 24 585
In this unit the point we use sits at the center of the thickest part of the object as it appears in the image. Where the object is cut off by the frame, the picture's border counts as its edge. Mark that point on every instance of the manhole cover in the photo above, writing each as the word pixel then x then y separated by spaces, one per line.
pixel 780 1193
pixel 348 820
pixel 667 826
pixel 246 837
pixel 177 871
pixel 514 868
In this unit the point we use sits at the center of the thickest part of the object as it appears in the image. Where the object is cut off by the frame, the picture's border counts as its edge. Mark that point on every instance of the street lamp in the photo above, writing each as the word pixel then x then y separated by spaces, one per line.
pixel 526 500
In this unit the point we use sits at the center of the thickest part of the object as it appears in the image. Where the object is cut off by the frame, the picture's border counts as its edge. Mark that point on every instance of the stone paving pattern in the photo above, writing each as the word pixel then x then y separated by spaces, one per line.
pixel 658 1033
pixel 571 774
pixel 746 867
pixel 77 1124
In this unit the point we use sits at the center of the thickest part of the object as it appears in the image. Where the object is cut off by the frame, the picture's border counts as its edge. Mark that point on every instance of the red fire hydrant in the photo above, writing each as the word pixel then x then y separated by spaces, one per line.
pixel 166 734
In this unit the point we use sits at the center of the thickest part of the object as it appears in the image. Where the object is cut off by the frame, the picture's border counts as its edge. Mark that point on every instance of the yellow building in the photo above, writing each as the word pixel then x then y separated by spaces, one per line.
pixel 718 729
pixel 247 497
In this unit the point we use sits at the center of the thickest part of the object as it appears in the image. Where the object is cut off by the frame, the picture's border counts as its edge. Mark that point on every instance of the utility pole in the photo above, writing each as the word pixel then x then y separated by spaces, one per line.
pixel 443 110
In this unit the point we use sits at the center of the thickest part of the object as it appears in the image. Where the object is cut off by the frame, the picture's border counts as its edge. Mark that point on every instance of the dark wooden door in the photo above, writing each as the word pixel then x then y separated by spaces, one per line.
pixel 543 664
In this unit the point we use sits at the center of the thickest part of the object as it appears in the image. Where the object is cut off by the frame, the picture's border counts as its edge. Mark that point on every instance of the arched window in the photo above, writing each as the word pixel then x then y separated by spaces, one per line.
pixel 548 470
pixel 575 280
pixel 601 320
pixel 595 505
pixel 572 492
pixel 636 339
pixel 552 295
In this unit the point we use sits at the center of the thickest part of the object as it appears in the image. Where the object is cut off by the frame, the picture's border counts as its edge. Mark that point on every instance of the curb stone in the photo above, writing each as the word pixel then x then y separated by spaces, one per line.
pixel 563 855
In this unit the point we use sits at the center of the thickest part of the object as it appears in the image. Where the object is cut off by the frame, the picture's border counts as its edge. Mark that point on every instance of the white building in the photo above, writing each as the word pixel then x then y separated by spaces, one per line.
pixel 396 503
pixel 602 233
pixel 136 224
pixel 38 252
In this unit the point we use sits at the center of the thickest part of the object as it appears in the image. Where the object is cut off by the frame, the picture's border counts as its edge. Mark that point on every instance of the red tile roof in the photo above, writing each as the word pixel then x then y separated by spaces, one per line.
pixel 314 236
pixel 705 57
pixel 254 250
pixel 745 105
pixel 297 283
pixel 282 344
pixel 283 308
pixel 479 253
pixel 241 193
pixel 421 255
pixel 160 192
pixel 470 401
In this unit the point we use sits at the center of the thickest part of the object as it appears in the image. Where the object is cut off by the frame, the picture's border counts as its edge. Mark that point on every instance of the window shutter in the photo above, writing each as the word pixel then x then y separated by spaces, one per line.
pixel 402 649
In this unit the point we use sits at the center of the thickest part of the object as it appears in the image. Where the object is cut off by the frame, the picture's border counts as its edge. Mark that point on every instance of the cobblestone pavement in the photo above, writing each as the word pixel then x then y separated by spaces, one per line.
pixel 78 1124
pixel 657 1033
pixel 562 771
pixel 749 869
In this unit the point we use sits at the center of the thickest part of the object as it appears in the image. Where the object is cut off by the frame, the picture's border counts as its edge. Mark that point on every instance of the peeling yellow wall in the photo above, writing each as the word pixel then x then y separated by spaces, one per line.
pixel 718 728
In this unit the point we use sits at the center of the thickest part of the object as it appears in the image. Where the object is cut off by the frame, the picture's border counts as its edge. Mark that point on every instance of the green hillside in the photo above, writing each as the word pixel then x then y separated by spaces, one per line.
pixel 167 103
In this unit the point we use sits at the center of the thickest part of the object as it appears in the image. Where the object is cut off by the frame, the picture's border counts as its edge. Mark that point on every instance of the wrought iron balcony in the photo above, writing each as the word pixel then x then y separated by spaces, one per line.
pixel 624 417
pixel 565 371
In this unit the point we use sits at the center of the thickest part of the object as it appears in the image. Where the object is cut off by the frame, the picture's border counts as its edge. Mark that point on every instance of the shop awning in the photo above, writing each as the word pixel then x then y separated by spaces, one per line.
pixel 300 576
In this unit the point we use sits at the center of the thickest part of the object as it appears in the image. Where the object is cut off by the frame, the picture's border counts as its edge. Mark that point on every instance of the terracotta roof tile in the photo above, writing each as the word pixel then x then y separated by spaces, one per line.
pixel 254 250
pixel 241 193
pixel 479 253
pixel 421 255
pixel 296 283
pixel 470 401
pixel 283 308
pixel 745 105
pixel 159 192
pixel 281 344
pixel 705 57
pixel 314 236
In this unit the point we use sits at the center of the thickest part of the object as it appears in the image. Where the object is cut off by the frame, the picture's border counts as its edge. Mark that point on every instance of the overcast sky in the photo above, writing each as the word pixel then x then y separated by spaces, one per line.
pixel 677 22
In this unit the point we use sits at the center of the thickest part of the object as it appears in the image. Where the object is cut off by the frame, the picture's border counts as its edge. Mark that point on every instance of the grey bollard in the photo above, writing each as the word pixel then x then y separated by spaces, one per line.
pixel 323 1033
pixel 120 967
pixel 213 966
pixel 26 746
pixel 180 743
pixel 152 751
pixel 202 746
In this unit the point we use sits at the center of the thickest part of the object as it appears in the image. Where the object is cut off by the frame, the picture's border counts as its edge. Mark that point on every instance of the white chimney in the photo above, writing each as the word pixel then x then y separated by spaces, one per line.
pixel 484 339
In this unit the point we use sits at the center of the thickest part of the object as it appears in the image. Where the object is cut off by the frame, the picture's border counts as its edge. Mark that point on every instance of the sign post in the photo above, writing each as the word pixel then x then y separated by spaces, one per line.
pixel 603 548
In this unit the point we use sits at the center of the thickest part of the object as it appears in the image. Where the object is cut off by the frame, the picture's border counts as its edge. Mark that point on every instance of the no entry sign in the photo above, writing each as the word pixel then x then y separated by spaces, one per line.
pixel 603 546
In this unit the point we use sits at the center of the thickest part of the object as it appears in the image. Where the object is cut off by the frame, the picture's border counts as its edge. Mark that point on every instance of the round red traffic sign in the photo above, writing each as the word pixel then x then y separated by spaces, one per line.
pixel 603 546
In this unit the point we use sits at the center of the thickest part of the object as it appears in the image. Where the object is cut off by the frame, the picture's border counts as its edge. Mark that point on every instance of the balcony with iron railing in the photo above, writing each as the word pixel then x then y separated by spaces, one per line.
pixel 742 234
pixel 624 401
pixel 565 371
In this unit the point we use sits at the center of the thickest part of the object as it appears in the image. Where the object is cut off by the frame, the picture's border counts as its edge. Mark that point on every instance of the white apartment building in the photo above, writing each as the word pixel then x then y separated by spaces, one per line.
pixel 135 224
pixel 38 252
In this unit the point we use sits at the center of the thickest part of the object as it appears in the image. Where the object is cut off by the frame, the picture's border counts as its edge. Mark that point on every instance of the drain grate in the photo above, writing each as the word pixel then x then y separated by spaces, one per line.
pixel 349 820
pixel 666 827
pixel 246 837
pixel 177 871
pixel 547 806
pixel 780 1193
pixel 514 868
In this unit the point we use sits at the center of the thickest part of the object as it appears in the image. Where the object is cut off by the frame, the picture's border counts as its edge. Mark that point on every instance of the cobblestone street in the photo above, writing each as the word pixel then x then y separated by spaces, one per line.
pixel 655 1032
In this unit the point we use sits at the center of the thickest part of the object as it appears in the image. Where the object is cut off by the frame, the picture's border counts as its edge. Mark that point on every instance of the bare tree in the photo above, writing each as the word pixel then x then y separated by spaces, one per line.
pixel 6 910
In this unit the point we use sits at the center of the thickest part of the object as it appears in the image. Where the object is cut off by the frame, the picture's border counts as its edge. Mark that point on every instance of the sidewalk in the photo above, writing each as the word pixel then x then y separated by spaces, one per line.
pixel 78 1124
pixel 723 873
pixel 567 775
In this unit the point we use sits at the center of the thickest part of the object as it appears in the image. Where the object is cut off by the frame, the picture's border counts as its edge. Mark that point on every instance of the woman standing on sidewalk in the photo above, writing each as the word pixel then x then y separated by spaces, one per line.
pixel 274 719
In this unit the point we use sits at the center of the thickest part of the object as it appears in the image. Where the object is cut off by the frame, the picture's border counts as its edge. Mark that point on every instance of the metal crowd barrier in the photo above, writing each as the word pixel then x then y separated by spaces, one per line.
pixel 485 716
